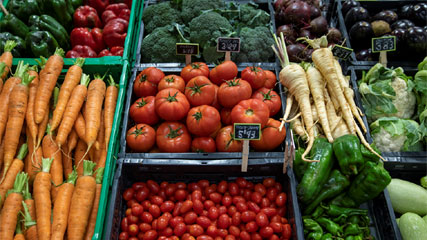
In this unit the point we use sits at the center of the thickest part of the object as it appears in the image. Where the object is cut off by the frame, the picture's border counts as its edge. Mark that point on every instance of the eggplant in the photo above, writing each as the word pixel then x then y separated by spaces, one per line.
pixel 349 4
pixel 400 34
pixel 355 15
pixel 364 55
pixel 289 33
pixel 361 34
pixel 420 14
pixel 386 15
pixel 403 23
pixel 416 39
pixel 334 35
pixel 406 11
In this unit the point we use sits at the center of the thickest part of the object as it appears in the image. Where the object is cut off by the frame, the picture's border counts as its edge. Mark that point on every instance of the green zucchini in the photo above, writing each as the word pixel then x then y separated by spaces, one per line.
pixel 407 197
pixel 412 227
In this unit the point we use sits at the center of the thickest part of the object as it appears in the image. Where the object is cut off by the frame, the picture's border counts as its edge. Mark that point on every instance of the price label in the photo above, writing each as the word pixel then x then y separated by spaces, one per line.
pixel 187 49
pixel 228 45
pixel 341 52
pixel 384 44
pixel 247 131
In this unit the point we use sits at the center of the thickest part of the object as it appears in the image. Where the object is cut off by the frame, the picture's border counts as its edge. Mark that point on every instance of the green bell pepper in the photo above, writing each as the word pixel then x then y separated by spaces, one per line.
pixel 334 210
pixel 330 226
pixel 20 48
pixel 76 3
pixel 318 212
pixel 368 155
pixel 352 229
pixel 299 165
pixel 14 25
pixel 48 23
pixel 315 231
pixel 23 9
pixel 336 183
pixel 317 173
pixel 347 152
pixel 327 236
pixel 59 10
pixel 41 43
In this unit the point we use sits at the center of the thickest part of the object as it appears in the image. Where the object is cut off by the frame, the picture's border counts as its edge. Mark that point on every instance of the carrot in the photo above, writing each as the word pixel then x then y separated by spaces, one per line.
pixel 15 121
pixel 32 160
pixel 80 126
pixel 95 98
pixel 1 154
pixel 2 70
pixel 7 57
pixel 29 224
pixel 42 198
pixel 102 159
pixel 29 116
pixel 82 203
pixel 72 78
pixel 48 79
pixel 67 161
pixel 12 206
pixel 92 218
pixel 18 231
pixel 100 140
pixel 42 128
pixel 51 150
pixel 72 140
pixel 29 201
pixel 72 110
pixel 79 156
pixel 15 169
pixel 61 207
pixel 110 108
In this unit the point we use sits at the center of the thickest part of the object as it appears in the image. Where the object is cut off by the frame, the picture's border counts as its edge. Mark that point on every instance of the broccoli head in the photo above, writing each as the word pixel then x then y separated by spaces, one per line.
pixel 252 17
pixel 193 8
pixel 255 45
pixel 159 46
pixel 159 15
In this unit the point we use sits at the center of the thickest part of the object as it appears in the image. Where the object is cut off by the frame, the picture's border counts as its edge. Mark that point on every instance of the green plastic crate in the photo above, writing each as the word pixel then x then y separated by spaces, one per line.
pixel 129 45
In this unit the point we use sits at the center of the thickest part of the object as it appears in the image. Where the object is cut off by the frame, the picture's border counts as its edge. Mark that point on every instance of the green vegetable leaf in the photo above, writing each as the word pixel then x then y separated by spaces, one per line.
pixel 423 65
pixel 378 98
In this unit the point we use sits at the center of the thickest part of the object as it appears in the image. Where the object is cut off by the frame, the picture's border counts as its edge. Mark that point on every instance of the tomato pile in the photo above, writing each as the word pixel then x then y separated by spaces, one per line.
pixel 203 211
pixel 195 111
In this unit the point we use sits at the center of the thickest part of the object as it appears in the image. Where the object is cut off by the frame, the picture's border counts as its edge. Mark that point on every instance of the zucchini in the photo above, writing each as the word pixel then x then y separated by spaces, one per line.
pixel 407 197
pixel 412 227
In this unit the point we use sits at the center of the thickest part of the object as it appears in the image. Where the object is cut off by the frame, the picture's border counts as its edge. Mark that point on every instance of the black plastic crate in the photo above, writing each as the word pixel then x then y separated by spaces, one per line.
pixel 125 152
pixel 130 171
pixel 374 7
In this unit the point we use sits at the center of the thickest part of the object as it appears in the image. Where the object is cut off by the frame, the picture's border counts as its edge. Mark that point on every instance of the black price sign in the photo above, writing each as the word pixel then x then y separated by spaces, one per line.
pixel 341 52
pixel 228 45
pixel 247 131
pixel 187 49
pixel 384 44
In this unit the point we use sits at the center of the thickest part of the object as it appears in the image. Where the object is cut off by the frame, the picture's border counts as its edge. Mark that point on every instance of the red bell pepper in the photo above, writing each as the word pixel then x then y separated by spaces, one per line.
pixel 115 32
pixel 88 37
pixel 114 51
pixel 104 53
pixel 127 2
pixel 81 51
pixel 113 11
pixel 86 16
pixel 99 5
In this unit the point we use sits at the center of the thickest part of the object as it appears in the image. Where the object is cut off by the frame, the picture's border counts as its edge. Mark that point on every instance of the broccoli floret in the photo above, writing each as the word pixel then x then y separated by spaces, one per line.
pixel 255 45
pixel 159 46
pixel 159 15
pixel 193 8
pixel 252 17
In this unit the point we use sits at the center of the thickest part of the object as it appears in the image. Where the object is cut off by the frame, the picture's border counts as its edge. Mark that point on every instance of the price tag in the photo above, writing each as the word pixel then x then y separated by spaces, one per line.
pixel 384 44
pixel 187 49
pixel 228 45
pixel 247 131
pixel 341 52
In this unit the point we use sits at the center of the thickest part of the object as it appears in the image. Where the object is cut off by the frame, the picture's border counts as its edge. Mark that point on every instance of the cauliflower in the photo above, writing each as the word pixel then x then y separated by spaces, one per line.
pixel 385 142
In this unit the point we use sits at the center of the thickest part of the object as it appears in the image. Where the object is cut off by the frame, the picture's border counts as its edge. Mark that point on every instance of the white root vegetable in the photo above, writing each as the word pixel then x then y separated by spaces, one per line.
pixel 297 127
pixel 289 101
pixel 365 143
pixel 316 84
pixel 336 122
pixel 333 98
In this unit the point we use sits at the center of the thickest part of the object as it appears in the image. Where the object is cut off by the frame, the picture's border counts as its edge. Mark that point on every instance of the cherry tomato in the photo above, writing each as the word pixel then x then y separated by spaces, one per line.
pixel 236 219
pixel 226 201
pixel 146 217
pixel 247 194
pixel 281 199
pixel 261 219
pixel 222 187
pixel 222 233
pixel 269 182
pixel 137 209
pixel 167 206
pixel 196 230
pixel 154 210
pixel 131 202
pixel 251 227
pixel 204 237
pixel 261 189
pixel 203 183
pixel 241 182
pixel 233 188
pixel 190 218
pixel 203 221
pixel 256 197
pixel 269 211
pixel 287 232
pixel 253 207
pixel 128 211
pixel 153 186
pixel 132 219
pixel 277 227
pixel 237 199
pixel 180 229
pixel 276 218
pixel 266 232
pixel 162 223
pixel 133 229
pixel 142 194
pixel 157 200
pixel 212 231
pixel 282 211
pixel 274 237
pixel 222 210
pixel 150 235
pixel 138 185
pixel 265 202
pixel 186 206
pixel 208 204
pixel 128 194
pixel 180 194
pixel 241 206
pixel 272 193
pixel 181 185
pixel 229 237
pixel 224 221
pixel 170 190
pixel 167 232
pixel 144 227
pixel 124 236
pixel 235 231
pixel 248 216
pixel 250 185
pixel 278 186
pixel 124 224
pixel 215 197
pixel 245 235
pixel 213 213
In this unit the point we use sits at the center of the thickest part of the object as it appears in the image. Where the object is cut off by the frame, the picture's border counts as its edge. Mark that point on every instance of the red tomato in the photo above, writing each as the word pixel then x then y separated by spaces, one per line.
pixel 138 185
pixel 156 200
pixel 245 235
pixel 180 229
pixel 143 111
pixel 203 121
pixel 173 137
pixel 266 232
pixel 200 91
pixel 230 237
pixel 170 190
pixel 233 91
pixel 187 205
pixel 144 227
pixel 190 218
pixel 233 188
pixel 132 219
pixel 193 70
pixel 133 230
pixel 271 137
pixel 203 145
pixel 146 204
pixel 251 227
pixel 140 138
pixel 248 216
pixel 204 237
pixel 241 206
pixel 287 232
pixel 171 104
pixel 255 76
pixel 224 221
pixel 270 79
pixel 213 213
pixel 261 189
pixel 175 220
pixel 124 236
pixel 180 194
pixel 269 211
pixel 253 207
pixel 261 219
pixel 212 231
pixel 146 82
pixel 181 185
pixel 223 72
pixel 137 209
pixel 196 195
pixel 215 103
pixel 153 186
pixel 167 206
pixel 162 223
pixel 128 194
pixel 203 221
pixel 241 182
pixel 281 200
pixel 150 235
pixel 208 204
pixel 225 141
pixel 250 111
pixel 172 81
pixel 195 230
pixel 269 182
pixel 231 210
pixel 277 227
pixel 269 97
pixel 236 219
pixel 215 197
pixel 222 233
pixel 274 237
pixel 124 225
pixel 265 202
pixel 154 211
pixel 227 201
pixel 272 194
pixel 256 197
pixel 226 116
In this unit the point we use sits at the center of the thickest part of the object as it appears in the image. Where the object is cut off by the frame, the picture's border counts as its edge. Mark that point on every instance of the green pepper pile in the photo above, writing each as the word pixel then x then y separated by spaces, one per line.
pixel 37 26
pixel 331 190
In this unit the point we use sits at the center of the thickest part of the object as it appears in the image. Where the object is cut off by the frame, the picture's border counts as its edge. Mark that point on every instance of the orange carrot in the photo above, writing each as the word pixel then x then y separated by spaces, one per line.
pixel 72 78
pixel 100 140
pixel 2 70
pixel 29 224
pixel 7 57
pixel 15 168
pixel 95 98
pixel 72 110
pixel 42 128
pixel 18 231
pixel 41 192
pixel 80 126
pixel 110 108
pixel 79 156
pixel 67 161
pixel 72 140
pixel 12 206
pixel 1 154
pixel 51 150
pixel 92 219
pixel 29 116
pixel 82 203
pixel 102 159
pixel 33 159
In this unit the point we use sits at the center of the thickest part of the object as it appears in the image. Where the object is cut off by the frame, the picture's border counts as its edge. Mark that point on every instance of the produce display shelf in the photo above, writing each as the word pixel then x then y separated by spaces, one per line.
pixel 130 171
pixel 125 152
pixel 129 45
pixel 373 7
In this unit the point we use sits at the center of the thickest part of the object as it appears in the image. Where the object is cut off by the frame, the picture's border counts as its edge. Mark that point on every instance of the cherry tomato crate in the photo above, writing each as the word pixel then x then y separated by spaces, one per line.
pixel 126 152
pixel 130 171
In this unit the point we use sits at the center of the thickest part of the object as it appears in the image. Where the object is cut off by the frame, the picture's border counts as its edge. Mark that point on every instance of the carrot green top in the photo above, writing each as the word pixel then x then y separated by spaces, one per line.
pixel 33 68
pixel 19 183
pixel 111 81
pixel 18 229
pixel 42 62
pixel 55 96
pixel 22 151
pixel 72 177
pixel 59 51
pixel 79 62
pixel 26 192
pixel 21 69
pixel 88 168
pixel 26 79
pixel 28 221
pixel 99 175
pixel 46 163
pixel 2 67
pixel 98 76
pixel 84 80
pixel 9 45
